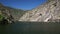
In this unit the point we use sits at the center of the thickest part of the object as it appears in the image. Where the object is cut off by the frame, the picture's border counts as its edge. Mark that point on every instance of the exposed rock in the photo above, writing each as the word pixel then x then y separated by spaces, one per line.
pixel 5 14
pixel 16 13
pixel 5 17
pixel 9 15
pixel 47 12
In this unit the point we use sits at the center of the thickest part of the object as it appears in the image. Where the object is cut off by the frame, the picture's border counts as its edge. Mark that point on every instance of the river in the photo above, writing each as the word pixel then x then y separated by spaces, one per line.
pixel 30 28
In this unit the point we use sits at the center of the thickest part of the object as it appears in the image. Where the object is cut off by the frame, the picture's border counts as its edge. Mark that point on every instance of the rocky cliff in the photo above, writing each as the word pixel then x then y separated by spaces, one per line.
pixel 47 12
pixel 8 14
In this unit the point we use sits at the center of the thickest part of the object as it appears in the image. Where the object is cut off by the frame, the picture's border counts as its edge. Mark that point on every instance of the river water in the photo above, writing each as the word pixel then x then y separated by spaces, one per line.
pixel 30 28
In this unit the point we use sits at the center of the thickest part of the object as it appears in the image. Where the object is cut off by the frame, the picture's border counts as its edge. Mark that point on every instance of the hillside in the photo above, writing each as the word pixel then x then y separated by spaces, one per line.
pixel 9 13
pixel 47 12
pixel 16 13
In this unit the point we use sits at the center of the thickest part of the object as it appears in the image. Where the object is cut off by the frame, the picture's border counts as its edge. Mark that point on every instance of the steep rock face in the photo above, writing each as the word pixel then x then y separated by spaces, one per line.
pixel 16 13
pixel 8 14
pixel 50 11
pixel 5 16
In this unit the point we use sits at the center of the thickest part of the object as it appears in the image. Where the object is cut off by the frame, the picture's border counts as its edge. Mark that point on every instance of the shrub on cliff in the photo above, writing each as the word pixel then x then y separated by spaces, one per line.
pixel 1 17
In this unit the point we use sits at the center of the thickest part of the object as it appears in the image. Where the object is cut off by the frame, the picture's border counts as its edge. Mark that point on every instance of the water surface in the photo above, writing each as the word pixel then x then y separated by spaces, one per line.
pixel 30 28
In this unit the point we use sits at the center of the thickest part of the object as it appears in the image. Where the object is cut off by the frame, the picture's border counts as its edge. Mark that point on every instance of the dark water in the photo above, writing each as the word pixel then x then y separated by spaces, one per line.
pixel 30 28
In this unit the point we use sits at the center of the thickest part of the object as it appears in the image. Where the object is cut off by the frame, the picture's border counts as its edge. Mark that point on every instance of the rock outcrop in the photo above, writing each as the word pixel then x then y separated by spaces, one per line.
pixel 47 12
pixel 5 16
pixel 9 15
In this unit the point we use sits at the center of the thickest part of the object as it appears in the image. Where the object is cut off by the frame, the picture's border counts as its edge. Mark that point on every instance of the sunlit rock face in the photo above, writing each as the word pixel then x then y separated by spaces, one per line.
pixel 47 12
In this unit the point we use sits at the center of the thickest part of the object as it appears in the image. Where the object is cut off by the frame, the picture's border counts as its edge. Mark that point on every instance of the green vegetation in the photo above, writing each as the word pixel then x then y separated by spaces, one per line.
pixel 1 17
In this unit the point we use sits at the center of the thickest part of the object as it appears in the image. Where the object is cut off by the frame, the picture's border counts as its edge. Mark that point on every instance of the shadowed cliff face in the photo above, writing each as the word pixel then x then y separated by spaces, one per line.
pixel 8 14
pixel 47 12
pixel 16 13
pixel 5 16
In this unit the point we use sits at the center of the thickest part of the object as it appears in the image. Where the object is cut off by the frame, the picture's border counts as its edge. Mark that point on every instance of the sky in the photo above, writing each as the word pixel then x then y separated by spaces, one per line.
pixel 22 4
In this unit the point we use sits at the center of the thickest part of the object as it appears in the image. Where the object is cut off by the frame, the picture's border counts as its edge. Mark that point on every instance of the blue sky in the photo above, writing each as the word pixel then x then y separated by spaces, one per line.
pixel 23 4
